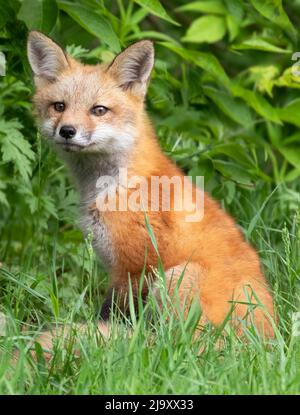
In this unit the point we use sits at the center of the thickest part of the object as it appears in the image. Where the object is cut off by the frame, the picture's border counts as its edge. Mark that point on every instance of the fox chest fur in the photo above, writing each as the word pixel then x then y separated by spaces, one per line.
pixel 88 173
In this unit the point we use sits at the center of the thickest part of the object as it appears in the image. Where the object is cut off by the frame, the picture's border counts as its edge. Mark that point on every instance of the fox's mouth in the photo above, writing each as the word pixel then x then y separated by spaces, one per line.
pixel 67 146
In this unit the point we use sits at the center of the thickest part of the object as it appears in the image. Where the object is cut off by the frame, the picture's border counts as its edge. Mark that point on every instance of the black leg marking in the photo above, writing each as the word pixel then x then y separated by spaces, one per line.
pixel 115 300
pixel 107 306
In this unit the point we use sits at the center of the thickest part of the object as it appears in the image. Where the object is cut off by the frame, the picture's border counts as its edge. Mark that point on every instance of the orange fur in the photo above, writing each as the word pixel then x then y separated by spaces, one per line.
pixel 226 263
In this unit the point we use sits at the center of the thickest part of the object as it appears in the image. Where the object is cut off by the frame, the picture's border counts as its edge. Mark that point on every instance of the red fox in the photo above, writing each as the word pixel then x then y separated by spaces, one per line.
pixel 95 118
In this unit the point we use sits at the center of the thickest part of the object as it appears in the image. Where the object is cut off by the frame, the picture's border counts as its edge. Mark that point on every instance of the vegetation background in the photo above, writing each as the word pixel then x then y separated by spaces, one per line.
pixel 226 105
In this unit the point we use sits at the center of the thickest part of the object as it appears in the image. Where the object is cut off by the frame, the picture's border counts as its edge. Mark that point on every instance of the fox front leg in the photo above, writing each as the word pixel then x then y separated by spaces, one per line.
pixel 117 299
pixel 107 306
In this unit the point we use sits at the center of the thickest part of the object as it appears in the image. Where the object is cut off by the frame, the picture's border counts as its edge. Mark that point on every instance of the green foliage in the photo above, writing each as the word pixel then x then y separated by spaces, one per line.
pixel 224 98
pixel 15 148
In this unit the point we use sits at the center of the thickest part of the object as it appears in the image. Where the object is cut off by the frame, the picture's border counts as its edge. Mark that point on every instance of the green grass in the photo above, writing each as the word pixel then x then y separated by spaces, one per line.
pixel 45 287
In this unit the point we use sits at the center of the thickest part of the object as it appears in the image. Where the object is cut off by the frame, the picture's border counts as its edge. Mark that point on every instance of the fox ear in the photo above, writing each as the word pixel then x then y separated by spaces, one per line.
pixel 46 58
pixel 132 67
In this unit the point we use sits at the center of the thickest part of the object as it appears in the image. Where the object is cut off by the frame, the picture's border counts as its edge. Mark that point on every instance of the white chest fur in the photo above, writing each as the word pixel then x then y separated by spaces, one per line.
pixel 87 170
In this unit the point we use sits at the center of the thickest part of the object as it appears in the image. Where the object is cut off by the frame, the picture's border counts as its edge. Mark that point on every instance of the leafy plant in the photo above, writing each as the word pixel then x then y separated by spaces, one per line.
pixel 224 98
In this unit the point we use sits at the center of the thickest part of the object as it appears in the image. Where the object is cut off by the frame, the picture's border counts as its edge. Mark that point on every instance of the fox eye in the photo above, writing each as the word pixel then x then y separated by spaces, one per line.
pixel 99 110
pixel 59 106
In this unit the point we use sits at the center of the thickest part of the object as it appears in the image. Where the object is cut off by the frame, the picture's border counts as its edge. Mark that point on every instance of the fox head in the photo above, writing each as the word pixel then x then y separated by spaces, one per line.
pixel 85 108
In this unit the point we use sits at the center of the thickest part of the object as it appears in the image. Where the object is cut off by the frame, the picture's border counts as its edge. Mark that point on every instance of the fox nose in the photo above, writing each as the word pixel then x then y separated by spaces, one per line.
pixel 67 131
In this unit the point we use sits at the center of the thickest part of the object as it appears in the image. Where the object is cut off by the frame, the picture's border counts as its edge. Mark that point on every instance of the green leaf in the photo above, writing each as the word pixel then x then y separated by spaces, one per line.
pixel 291 176
pixel 3 199
pixel 207 61
pixel 216 7
pixel 76 51
pixel 138 16
pixel 93 22
pixel 235 9
pixel 273 11
pixel 15 148
pixel 49 205
pixel 233 108
pixel 232 26
pixel 291 113
pixel 291 154
pixel 288 79
pixel 151 34
pixel 235 151
pixel 264 77
pixel 260 44
pixel 39 14
pixel 257 102
pixel 4 14
pixel 155 7
pixel 234 172
pixel 208 29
